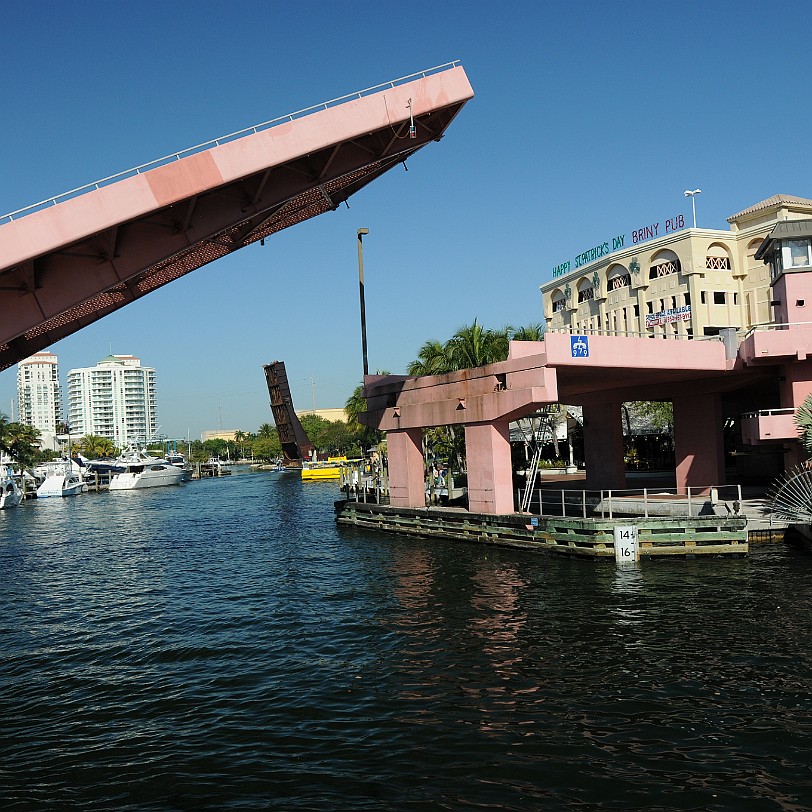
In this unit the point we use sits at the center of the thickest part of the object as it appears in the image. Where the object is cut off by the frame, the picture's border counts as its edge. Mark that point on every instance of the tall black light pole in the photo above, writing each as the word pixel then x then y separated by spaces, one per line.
pixel 361 233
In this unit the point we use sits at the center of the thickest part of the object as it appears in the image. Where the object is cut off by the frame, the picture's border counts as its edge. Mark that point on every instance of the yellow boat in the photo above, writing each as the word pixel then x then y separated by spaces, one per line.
pixel 316 471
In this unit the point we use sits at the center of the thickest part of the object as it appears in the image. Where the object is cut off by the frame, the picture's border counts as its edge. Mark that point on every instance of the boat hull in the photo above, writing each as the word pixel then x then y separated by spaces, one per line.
pixel 59 485
pixel 152 477
pixel 318 474
pixel 10 494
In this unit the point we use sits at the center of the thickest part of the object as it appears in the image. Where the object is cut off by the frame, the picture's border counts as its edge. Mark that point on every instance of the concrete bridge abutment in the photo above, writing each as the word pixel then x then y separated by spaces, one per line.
pixel 490 475
pixel 698 441
pixel 603 447
pixel 406 472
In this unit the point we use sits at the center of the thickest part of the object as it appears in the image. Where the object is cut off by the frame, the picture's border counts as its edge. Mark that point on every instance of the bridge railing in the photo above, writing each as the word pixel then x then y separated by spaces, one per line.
pixel 597 331
pixel 710 500
pixel 223 139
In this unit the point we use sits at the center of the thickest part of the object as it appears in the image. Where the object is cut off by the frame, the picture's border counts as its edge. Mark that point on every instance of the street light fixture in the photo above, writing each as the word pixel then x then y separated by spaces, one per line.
pixel 361 233
pixel 692 195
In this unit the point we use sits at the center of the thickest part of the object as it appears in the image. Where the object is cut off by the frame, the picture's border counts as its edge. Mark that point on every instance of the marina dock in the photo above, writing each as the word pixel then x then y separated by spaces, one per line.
pixel 564 519
pixel 581 537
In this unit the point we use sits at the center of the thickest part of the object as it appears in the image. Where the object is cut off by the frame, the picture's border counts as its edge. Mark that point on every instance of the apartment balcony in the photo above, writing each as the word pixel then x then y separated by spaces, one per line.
pixel 769 426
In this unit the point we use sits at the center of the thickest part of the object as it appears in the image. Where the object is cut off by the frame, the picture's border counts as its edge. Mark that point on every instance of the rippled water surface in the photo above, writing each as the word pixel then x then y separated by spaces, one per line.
pixel 223 645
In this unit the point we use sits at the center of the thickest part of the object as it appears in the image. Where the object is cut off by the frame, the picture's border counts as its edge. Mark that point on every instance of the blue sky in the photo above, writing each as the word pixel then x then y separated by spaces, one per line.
pixel 590 119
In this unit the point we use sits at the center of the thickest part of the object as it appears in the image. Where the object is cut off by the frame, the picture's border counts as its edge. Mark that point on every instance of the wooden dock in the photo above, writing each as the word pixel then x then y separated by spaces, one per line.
pixel 586 538
pixel 205 470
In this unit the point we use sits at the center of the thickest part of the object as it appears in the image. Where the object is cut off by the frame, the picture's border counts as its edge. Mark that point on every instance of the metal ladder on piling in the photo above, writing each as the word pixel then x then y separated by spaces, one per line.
pixel 541 433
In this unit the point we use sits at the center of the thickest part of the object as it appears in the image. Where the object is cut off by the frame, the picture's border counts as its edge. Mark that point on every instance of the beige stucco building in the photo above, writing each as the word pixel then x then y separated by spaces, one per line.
pixel 666 280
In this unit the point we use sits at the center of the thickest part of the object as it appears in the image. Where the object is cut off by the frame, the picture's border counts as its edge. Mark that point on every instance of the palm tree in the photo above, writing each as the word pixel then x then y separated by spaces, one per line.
pixel 356 404
pixel 240 437
pixel 532 332
pixel 266 431
pixel 474 346
pixel 432 359
pixel 21 443
pixel 803 422
pixel 95 447
pixel 4 438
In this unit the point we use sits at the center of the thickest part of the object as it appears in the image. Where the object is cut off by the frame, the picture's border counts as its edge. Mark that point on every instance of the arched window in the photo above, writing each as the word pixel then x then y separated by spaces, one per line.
pixel 664 263
pixel 559 300
pixel 586 293
pixel 717 258
pixel 618 277
pixel 752 248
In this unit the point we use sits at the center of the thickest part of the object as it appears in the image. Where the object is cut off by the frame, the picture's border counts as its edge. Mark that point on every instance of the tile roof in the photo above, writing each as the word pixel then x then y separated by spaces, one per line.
pixel 775 200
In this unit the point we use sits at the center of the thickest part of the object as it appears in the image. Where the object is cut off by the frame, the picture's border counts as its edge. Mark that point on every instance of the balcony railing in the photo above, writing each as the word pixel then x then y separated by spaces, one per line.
pixel 768 426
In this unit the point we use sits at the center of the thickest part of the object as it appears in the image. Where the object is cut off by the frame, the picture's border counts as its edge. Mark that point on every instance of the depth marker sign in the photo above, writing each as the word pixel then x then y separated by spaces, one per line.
pixel 626 547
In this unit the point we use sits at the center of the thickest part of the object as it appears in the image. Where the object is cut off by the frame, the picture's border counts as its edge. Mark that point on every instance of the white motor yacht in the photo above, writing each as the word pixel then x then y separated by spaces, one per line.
pixel 65 484
pixel 61 477
pixel 179 461
pixel 143 471
pixel 10 493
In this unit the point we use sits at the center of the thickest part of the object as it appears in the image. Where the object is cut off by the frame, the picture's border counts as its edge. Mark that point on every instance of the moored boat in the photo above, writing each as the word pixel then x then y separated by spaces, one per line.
pixel 179 461
pixel 214 466
pixel 144 471
pixel 61 484
pixel 321 470
pixel 10 492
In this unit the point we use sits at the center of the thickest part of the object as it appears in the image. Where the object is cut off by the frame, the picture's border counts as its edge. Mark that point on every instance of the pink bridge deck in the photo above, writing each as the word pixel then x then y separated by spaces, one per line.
pixel 705 384
pixel 66 266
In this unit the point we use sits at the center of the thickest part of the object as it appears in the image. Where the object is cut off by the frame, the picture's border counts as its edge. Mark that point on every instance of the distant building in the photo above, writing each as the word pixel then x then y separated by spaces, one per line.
pixel 39 395
pixel 667 279
pixel 115 399
pixel 229 434
pixel 328 414
pixel 220 434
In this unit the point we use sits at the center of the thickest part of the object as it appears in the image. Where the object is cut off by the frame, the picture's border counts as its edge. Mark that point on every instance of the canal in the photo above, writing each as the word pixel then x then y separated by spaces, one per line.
pixel 223 645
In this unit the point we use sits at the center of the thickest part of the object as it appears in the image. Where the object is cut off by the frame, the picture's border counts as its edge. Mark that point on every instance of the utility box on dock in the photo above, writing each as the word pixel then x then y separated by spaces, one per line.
pixel 627 549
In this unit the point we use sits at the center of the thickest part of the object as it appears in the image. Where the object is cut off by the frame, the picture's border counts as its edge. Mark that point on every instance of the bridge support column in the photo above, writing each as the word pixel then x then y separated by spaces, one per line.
pixel 603 447
pixel 490 478
pixel 698 441
pixel 407 486
pixel 795 388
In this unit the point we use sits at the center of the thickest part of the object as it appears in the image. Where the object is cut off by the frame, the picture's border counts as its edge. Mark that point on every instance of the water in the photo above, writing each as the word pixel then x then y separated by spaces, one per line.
pixel 225 646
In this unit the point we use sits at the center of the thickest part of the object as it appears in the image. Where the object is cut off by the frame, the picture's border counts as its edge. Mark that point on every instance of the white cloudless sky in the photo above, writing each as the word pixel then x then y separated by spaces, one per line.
pixel 589 120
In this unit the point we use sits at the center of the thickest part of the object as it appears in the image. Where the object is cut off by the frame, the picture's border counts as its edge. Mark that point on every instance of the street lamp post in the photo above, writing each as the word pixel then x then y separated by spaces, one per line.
pixel 692 195
pixel 361 233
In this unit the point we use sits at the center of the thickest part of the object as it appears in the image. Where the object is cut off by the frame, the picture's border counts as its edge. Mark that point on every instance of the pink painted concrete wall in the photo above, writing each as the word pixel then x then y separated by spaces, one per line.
pixel 622 352
pixel 774 346
pixel 692 374
pixel 603 447
pixel 499 391
pixel 768 428
pixel 793 292
pixel 406 472
pixel 698 445
pixel 490 477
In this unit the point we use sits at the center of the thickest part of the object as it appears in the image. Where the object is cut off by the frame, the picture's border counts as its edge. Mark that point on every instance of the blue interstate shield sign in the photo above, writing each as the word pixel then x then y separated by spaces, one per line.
pixel 579 346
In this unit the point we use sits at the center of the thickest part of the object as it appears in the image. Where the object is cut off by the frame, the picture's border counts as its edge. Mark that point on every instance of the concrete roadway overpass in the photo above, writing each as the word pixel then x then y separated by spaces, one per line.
pixel 707 381
pixel 69 261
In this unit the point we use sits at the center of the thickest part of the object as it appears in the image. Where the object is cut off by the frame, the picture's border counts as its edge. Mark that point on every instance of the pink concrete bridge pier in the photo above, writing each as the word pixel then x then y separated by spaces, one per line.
pixel 706 380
